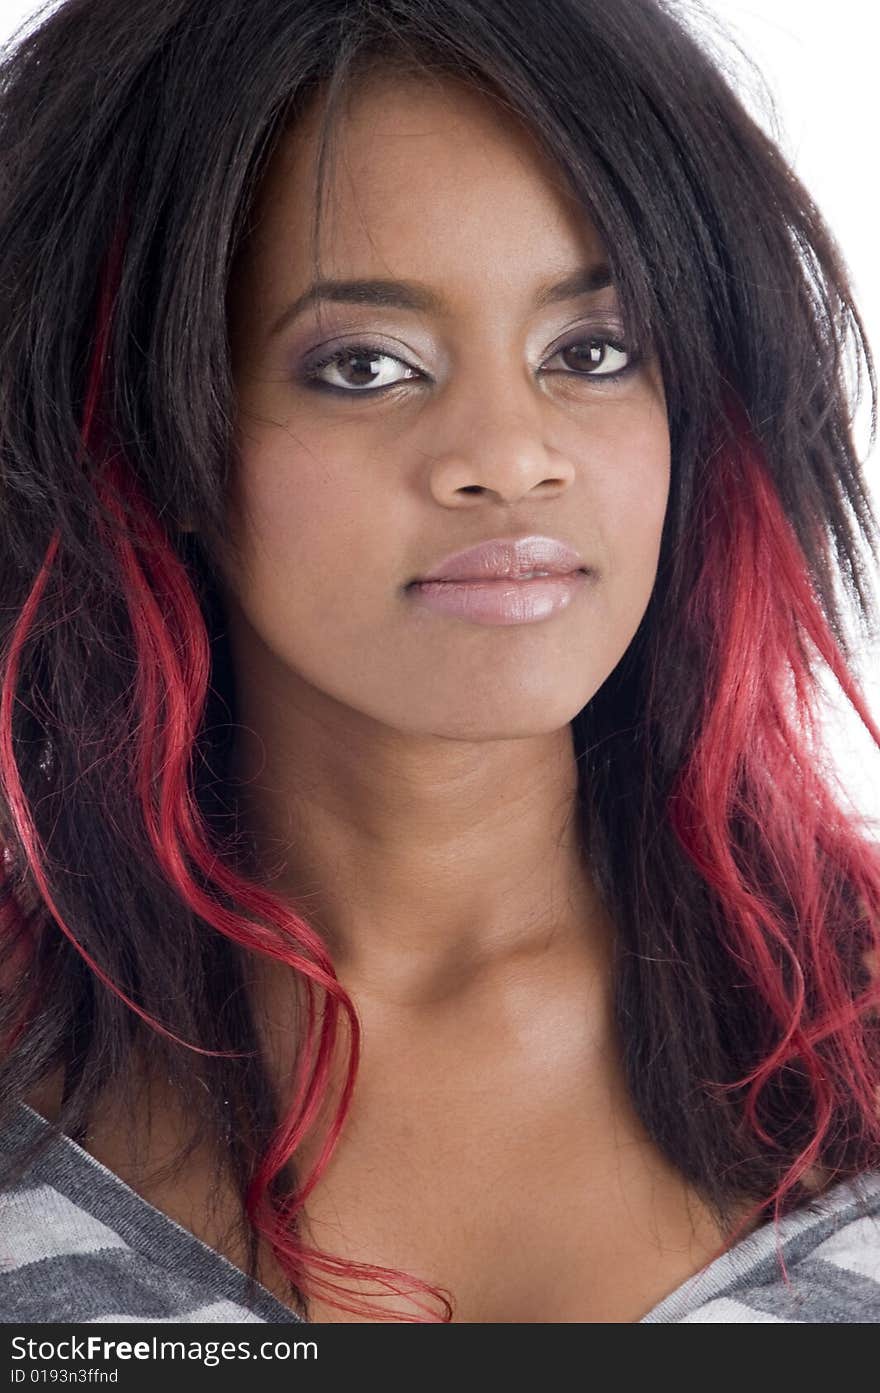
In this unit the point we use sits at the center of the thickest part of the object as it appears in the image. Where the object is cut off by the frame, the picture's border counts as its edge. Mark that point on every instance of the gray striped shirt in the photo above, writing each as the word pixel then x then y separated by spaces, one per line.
pixel 79 1245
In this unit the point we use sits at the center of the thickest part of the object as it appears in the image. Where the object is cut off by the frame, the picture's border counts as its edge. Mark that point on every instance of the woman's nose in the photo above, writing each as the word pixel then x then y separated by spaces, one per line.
pixel 493 440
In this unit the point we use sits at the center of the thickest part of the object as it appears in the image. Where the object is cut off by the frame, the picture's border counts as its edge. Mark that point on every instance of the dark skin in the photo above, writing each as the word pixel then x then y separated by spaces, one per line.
pixel 410 778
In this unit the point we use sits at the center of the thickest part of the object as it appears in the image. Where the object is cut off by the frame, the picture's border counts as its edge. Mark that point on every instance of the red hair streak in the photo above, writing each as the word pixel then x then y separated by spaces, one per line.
pixel 759 617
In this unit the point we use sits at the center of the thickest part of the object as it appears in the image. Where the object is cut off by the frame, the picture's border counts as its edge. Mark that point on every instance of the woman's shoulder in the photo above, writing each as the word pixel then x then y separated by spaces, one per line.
pixel 78 1245
pixel 830 1250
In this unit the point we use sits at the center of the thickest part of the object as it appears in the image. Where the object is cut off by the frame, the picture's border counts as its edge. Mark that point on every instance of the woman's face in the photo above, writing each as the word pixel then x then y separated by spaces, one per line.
pixel 498 420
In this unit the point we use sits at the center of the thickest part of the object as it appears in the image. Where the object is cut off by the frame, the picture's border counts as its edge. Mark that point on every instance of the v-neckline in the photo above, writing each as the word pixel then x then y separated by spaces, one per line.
pixel 154 1233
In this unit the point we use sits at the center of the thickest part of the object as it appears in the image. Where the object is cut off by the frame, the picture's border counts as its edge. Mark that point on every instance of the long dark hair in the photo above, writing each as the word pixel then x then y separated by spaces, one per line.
pixel 745 896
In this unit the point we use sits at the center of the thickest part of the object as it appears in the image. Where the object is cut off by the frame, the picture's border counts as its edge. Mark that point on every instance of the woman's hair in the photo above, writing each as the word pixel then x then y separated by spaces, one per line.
pixel 744 892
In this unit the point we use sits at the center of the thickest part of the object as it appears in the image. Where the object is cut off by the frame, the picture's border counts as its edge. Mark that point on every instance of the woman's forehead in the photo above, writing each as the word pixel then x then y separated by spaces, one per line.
pixel 421 180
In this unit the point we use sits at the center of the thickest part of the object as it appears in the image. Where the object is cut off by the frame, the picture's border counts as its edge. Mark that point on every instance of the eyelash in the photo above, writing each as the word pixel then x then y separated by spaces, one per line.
pixel 312 381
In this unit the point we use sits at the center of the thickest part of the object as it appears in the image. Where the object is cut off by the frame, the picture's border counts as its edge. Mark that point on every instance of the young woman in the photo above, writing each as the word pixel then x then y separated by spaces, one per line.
pixel 426 478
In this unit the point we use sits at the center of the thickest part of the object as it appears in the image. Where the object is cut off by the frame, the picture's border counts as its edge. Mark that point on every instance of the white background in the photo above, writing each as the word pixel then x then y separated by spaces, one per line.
pixel 815 90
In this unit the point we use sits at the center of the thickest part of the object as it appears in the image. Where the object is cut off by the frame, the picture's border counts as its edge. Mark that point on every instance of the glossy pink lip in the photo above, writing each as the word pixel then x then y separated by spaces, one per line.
pixel 506 558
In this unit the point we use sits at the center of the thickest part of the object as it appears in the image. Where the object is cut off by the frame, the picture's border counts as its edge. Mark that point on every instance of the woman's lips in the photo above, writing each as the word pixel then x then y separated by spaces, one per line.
pixel 501 600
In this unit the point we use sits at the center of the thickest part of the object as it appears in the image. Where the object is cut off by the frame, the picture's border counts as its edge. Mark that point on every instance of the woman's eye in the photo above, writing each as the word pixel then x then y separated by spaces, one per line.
pixel 356 369
pixel 362 368
pixel 597 357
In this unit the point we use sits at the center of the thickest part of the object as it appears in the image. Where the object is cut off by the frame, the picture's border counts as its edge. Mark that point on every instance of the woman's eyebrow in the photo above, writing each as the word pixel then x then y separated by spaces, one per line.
pixel 410 295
